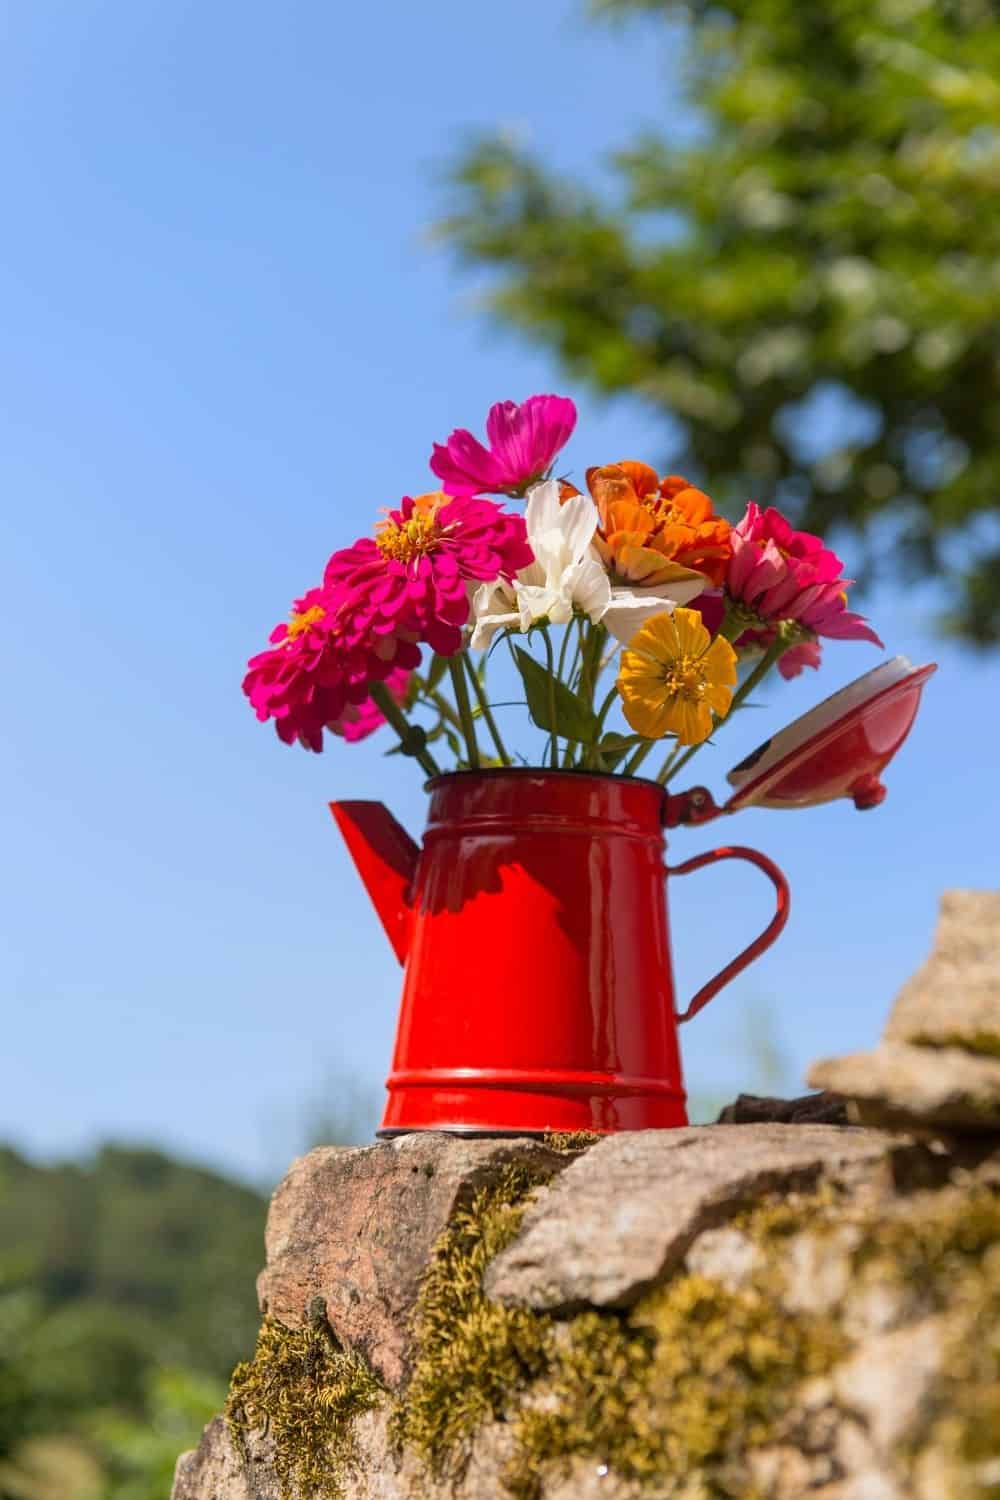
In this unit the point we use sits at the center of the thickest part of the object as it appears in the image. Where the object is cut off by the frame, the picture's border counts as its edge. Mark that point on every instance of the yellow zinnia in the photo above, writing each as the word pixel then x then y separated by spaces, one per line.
pixel 673 676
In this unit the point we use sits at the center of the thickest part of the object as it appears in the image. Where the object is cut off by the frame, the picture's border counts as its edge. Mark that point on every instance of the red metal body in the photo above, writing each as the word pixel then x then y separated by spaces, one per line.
pixel 538 992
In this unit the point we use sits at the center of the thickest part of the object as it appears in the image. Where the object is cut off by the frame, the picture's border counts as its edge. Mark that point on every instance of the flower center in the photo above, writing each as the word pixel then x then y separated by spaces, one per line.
pixel 664 513
pixel 300 623
pixel 414 538
pixel 685 678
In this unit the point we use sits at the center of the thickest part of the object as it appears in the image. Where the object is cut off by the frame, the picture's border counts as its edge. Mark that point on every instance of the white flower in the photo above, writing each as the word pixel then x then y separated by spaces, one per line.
pixel 629 610
pixel 567 577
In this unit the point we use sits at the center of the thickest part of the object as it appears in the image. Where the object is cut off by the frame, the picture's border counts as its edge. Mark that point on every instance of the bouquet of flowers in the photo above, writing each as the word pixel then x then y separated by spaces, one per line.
pixel 631 594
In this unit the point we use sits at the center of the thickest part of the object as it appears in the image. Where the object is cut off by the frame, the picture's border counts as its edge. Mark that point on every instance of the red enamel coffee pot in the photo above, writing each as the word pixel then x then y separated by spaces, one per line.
pixel 532 923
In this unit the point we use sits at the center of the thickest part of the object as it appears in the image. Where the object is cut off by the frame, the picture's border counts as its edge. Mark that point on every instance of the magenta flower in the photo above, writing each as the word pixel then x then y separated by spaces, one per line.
pixel 806 654
pixel 300 682
pixel 413 579
pixel 711 605
pixel 524 440
pixel 779 573
pixel 319 667
pixel 360 720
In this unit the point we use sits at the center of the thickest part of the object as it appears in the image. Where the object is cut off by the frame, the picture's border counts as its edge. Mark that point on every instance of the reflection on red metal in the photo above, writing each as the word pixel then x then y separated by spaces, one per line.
pixel 690 808
pixel 867 792
pixel 838 749
pixel 757 947
pixel 538 993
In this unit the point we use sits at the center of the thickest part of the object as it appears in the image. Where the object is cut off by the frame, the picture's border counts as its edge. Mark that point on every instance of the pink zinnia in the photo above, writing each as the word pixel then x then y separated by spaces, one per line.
pixel 413 578
pixel 783 574
pixel 524 440
pixel 318 666
pixel 360 720
pixel 712 607
pixel 805 654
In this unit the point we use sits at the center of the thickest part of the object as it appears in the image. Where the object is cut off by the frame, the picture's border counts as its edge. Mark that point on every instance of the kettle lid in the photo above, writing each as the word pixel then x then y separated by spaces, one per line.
pixel 838 748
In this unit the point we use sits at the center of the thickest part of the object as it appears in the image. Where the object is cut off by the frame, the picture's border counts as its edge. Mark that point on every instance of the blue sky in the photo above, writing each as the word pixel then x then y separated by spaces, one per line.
pixel 228 341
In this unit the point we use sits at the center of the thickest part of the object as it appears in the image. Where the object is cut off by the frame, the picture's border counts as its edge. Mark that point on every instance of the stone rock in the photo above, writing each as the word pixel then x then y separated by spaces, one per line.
pixel 903 1086
pixel 625 1214
pixel 954 999
pixel 865 1420
pixel 784 1470
pixel 887 1383
pixel 356 1225
pixel 215 1468
pixel 817 1270
pixel 938 1066
pixel 810 1109
pixel 725 1255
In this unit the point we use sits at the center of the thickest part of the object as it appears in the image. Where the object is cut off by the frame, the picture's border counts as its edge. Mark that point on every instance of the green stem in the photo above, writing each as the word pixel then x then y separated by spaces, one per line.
pixel 591 657
pixel 636 759
pixel 485 710
pixel 464 710
pixel 590 758
pixel 394 715
pixel 574 664
pixel 444 708
pixel 567 632
pixel 554 740
pixel 674 760
pixel 760 671
pixel 605 707
pixel 576 635
pixel 671 766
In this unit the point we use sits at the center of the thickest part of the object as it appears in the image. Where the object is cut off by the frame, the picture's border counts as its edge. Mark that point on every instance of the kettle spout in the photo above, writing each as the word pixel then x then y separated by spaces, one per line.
pixel 386 859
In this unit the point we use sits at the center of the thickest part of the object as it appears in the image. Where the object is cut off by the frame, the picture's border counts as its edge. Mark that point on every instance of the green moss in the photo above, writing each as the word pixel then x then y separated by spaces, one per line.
pixel 677 1391
pixel 302 1391
pixel 946 1251
pixel 680 1388
pixel 570 1140
pixel 931 1242
pixel 965 1425
pixel 473 1356
pixel 674 1392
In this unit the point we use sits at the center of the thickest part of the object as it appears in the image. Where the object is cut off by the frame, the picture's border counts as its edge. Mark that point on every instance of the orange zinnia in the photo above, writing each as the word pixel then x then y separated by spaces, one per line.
pixel 655 531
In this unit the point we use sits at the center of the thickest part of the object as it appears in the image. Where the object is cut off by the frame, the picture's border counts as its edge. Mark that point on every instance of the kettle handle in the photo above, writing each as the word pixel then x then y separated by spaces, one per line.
pixel 757 947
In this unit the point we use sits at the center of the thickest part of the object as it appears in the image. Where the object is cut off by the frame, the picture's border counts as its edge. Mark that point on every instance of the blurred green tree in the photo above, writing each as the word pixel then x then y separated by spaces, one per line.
pixel 138 1260
pixel 138 1454
pixel 801 270
pixel 126 1297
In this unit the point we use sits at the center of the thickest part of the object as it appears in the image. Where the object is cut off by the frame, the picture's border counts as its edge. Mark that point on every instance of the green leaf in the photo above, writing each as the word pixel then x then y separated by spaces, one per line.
pixel 614 748
pixel 574 720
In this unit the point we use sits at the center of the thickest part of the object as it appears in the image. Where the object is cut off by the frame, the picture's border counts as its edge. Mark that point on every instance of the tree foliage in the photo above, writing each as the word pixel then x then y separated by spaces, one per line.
pixel 812 233
pixel 126 1297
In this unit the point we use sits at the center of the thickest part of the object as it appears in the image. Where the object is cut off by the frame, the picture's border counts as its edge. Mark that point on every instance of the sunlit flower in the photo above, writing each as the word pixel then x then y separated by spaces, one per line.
pixel 360 720
pixel 753 643
pixel 413 578
pixel 523 442
pixel 320 667
pixel 563 578
pixel 299 681
pixel 674 677
pixel 804 654
pixel 659 534
pixel 779 573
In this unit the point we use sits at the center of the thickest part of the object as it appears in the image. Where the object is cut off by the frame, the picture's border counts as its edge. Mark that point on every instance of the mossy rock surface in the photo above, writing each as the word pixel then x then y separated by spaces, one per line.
pixel 751 1369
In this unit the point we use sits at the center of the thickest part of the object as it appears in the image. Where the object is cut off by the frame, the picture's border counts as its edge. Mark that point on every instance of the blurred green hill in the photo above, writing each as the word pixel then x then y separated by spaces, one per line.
pixel 126 1297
